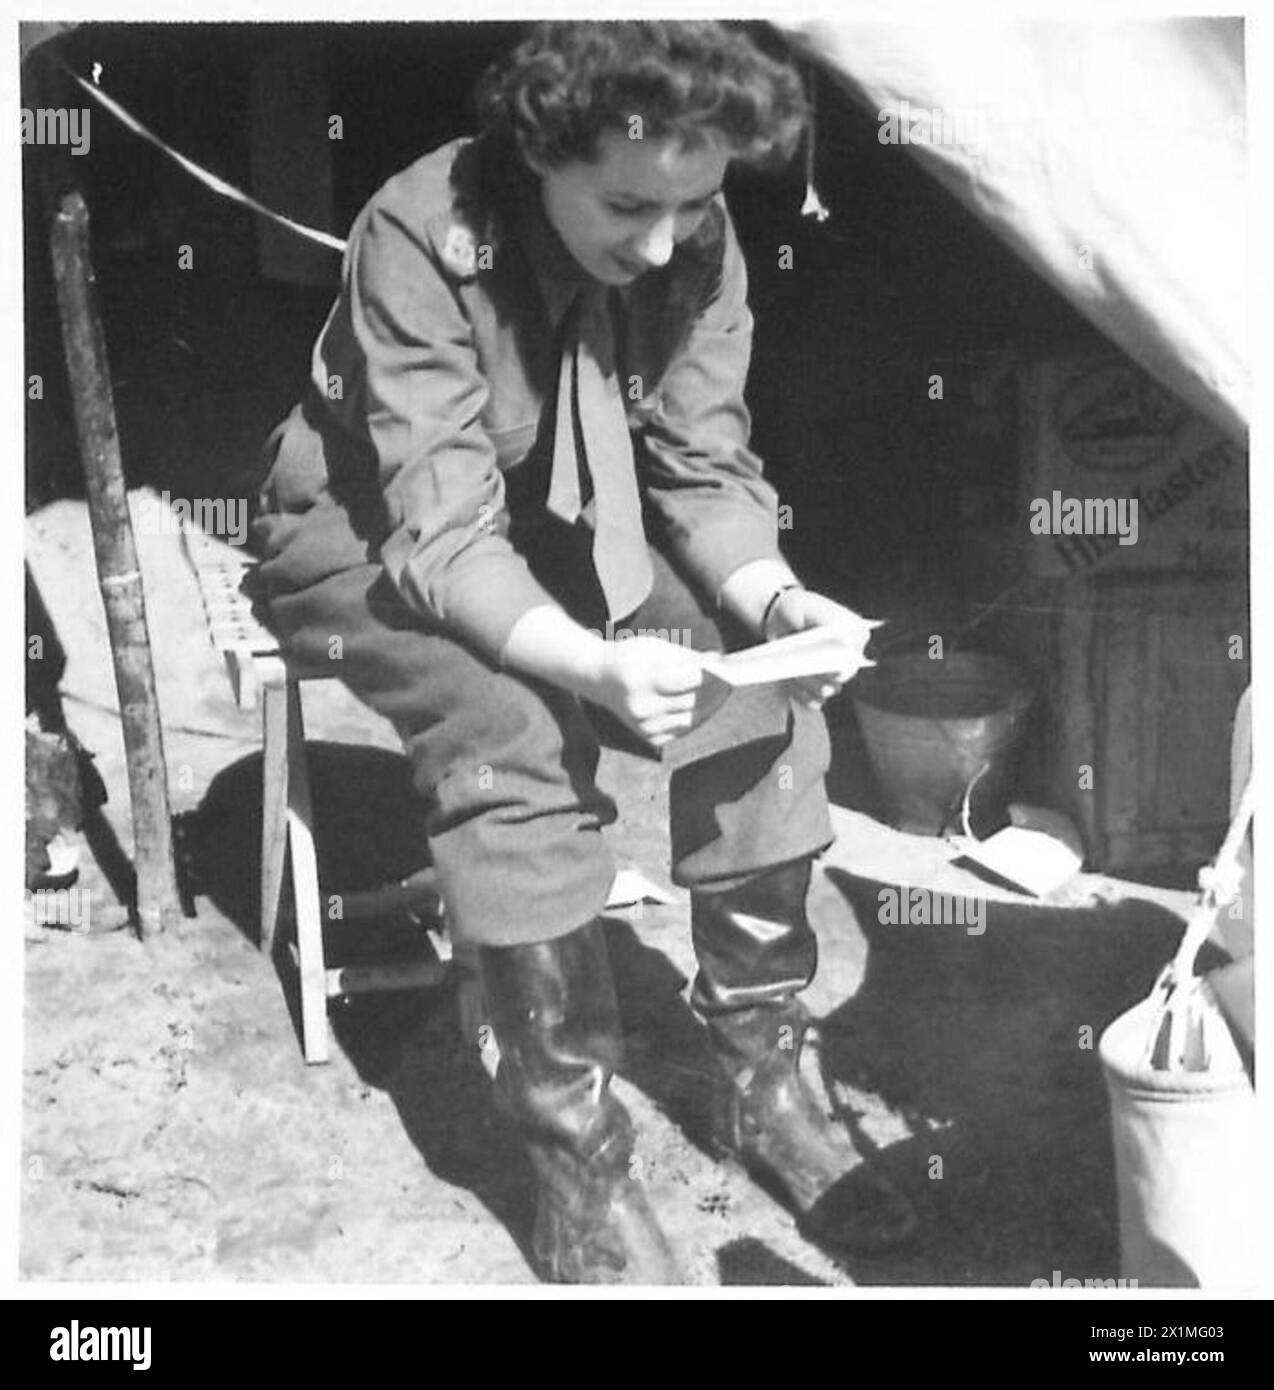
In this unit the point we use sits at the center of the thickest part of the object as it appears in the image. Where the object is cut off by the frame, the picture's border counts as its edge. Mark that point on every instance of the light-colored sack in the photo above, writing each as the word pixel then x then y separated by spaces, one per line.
pixel 1183 1117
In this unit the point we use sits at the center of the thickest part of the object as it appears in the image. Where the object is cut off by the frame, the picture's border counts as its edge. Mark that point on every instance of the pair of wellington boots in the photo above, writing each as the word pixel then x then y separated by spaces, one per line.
pixel 556 1020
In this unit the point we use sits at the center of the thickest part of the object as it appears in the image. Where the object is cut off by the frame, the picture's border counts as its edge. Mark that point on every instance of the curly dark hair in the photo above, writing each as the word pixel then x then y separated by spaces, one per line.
pixel 560 88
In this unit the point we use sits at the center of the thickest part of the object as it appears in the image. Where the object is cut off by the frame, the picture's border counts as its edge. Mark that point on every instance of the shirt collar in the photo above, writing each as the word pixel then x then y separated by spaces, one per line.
pixel 558 274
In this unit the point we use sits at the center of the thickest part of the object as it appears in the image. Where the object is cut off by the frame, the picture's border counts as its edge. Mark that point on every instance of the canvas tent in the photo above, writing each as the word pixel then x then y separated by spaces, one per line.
pixel 1110 156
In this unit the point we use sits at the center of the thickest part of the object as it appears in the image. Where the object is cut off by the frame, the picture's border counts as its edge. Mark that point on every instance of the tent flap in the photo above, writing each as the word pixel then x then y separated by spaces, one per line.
pixel 1110 156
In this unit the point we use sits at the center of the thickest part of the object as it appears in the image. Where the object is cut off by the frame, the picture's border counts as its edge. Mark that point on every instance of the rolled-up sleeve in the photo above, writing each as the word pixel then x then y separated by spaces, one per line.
pixel 402 348
pixel 699 474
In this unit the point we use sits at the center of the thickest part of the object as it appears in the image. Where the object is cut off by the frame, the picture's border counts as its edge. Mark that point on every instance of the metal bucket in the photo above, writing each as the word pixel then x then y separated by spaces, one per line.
pixel 934 727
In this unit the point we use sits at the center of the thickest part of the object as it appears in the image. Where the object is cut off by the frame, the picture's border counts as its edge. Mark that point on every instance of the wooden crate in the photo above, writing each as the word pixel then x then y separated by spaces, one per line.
pixel 1145 675
pixel 1095 425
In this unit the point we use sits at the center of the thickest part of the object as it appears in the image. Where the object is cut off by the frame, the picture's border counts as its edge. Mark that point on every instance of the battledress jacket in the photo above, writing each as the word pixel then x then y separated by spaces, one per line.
pixel 434 380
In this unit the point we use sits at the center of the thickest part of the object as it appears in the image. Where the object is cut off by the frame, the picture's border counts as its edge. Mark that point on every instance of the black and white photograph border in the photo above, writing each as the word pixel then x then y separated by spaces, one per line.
pixel 814 856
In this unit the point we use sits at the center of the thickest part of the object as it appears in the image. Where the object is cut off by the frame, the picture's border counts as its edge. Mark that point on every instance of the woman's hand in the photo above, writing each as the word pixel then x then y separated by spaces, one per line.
pixel 649 685
pixel 797 610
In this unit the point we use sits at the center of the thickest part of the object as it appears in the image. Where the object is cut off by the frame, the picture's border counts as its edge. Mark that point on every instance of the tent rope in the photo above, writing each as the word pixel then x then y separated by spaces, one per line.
pixel 205 176
pixel 813 206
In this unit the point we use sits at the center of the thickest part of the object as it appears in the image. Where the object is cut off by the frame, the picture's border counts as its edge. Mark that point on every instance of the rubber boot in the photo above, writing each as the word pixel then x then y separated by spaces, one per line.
pixel 556 1022
pixel 756 952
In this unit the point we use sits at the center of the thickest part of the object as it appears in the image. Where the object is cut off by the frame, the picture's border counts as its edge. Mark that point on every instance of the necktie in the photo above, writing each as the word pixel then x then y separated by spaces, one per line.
pixel 591 439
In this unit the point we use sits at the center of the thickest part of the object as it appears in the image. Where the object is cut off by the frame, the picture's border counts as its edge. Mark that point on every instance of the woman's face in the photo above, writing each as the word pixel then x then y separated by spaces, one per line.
pixel 622 213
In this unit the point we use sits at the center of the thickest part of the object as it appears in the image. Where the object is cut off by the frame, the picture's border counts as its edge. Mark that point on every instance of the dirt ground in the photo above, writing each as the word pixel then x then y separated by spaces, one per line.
pixel 171 1130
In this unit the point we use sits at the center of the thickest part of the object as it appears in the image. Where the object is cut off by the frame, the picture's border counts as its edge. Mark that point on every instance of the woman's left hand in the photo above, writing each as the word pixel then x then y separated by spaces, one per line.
pixel 798 610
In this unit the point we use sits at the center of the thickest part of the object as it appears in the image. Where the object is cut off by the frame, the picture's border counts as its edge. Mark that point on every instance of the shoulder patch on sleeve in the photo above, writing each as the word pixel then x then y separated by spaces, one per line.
pixel 456 244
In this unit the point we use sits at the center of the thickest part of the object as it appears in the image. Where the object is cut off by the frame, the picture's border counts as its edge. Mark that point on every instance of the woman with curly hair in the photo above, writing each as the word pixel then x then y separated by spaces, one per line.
pixel 525 437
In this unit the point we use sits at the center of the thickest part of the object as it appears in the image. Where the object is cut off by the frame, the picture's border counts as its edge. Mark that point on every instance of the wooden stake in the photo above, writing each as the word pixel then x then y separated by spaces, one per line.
pixel 119 576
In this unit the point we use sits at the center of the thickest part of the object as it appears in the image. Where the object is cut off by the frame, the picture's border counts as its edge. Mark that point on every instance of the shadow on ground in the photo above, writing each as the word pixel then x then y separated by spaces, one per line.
pixel 409 1045
pixel 987 1045
pixel 369 827
pixel 370 831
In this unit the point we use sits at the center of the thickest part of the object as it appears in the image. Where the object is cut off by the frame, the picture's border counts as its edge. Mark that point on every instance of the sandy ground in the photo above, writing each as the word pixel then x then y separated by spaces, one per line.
pixel 171 1130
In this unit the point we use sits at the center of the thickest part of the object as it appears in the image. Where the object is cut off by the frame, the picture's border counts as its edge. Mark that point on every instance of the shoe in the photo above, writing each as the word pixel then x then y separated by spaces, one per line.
pixel 556 1021
pixel 756 952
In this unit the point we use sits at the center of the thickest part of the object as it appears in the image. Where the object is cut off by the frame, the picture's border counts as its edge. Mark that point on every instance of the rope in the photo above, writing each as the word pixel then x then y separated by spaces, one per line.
pixel 210 180
pixel 813 206
pixel 1183 1018
pixel 112 712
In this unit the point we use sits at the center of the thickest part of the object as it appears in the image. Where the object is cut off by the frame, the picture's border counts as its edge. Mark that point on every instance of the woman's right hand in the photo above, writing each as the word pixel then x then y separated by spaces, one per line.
pixel 649 685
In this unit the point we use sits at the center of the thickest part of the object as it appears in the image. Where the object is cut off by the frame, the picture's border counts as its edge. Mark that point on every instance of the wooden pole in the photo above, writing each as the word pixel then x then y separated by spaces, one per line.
pixel 119 576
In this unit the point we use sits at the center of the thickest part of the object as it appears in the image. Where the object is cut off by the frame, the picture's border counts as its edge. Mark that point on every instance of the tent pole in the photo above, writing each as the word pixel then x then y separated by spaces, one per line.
pixel 119 577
